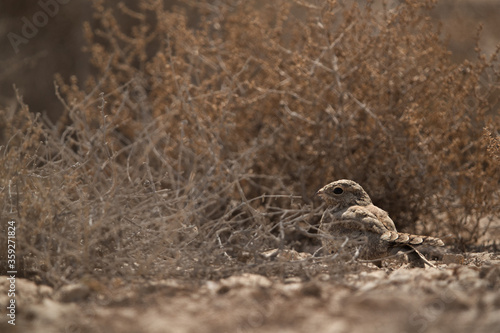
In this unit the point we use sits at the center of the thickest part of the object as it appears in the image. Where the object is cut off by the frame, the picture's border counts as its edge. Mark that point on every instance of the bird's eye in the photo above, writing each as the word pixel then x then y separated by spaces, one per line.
pixel 338 190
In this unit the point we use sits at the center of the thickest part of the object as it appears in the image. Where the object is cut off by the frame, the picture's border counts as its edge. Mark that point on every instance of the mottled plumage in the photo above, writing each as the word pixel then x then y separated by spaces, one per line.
pixel 369 231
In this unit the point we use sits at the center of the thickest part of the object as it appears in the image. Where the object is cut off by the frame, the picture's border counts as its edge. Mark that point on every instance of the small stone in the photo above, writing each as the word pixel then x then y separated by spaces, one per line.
pixel 311 289
pixel 73 293
pixel 453 259
pixel 293 279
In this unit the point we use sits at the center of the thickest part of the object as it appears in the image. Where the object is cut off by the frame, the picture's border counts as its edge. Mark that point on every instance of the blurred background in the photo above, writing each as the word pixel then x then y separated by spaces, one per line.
pixel 57 45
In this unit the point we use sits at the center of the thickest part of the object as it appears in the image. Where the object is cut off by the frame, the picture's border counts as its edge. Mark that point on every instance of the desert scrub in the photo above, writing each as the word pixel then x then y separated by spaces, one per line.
pixel 197 144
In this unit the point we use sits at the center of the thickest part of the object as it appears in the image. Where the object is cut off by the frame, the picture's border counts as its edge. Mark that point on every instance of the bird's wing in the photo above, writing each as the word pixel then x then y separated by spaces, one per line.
pixel 382 216
pixel 362 218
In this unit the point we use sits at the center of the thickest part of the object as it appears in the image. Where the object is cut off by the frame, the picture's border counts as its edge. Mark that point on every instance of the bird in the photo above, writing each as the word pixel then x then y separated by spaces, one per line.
pixel 352 224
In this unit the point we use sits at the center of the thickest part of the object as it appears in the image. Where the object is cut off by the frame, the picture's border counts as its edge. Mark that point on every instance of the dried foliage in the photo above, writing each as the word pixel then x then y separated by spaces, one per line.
pixel 198 145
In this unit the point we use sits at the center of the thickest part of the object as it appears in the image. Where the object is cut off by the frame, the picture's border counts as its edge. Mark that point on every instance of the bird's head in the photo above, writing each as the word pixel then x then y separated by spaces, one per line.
pixel 344 193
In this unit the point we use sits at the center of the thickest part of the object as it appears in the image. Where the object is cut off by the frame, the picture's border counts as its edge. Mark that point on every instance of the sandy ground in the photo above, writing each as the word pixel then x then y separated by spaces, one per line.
pixel 449 298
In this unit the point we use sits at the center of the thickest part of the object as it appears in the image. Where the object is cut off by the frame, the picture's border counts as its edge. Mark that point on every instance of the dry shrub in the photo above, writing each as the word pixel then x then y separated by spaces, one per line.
pixel 198 145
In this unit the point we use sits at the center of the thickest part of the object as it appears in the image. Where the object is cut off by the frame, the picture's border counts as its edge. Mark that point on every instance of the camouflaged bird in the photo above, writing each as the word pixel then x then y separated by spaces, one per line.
pixel 353 224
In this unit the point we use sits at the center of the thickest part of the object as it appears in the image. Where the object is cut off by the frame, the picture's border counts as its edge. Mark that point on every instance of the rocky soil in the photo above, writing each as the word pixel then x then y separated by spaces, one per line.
pixel 456 296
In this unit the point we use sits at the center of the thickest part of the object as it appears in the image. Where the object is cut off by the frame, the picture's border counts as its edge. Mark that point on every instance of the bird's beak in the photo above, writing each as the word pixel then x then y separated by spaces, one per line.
pixel 320 192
